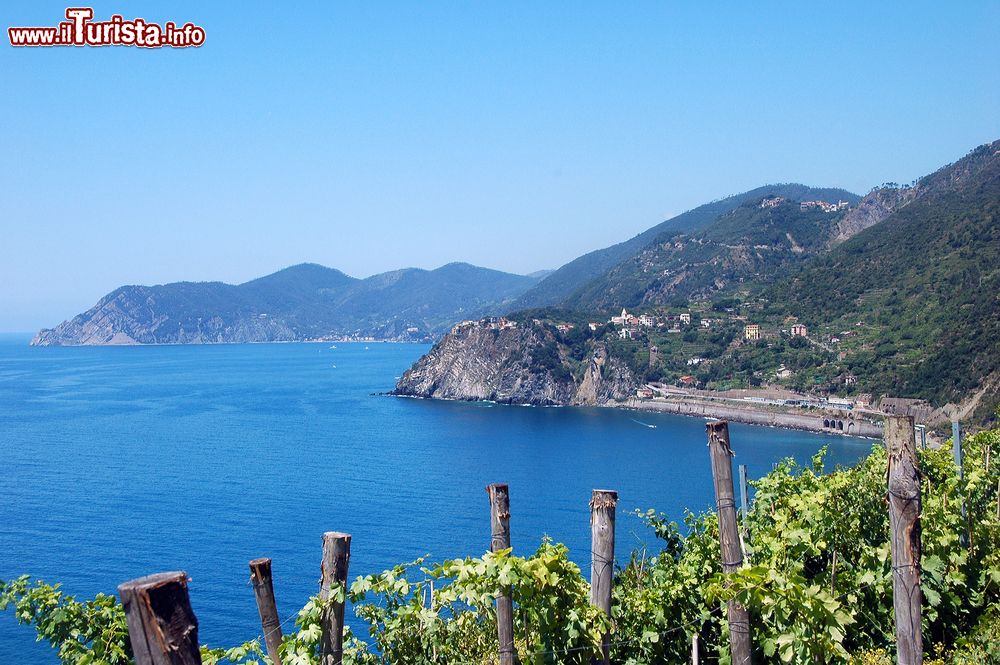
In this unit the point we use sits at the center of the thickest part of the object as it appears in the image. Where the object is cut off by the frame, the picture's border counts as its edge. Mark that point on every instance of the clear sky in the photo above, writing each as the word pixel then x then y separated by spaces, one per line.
pixel 369 136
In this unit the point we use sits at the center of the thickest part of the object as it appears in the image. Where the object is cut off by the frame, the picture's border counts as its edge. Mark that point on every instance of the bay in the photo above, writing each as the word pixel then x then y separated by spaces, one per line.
pixel 119 462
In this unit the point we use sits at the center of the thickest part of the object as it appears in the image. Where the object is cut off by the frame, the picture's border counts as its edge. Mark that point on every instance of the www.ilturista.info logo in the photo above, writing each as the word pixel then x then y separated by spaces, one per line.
pixel 80 30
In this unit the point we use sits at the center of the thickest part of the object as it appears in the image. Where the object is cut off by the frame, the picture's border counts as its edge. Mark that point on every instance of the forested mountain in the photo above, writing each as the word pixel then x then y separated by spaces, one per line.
pixel 301 302
pixel 562 283
pixel 756 241
pixel 925 282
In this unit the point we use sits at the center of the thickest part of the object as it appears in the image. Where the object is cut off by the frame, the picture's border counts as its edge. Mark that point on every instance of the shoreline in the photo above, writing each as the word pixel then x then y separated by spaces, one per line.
pixel 840 425
pixel 852 427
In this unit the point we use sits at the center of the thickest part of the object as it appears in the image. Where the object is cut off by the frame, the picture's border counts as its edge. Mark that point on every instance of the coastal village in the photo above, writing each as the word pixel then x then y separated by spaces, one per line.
pixel 681 346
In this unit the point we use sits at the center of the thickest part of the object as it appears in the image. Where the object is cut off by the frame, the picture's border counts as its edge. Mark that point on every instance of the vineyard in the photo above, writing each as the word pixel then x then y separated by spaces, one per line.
pixel 816 582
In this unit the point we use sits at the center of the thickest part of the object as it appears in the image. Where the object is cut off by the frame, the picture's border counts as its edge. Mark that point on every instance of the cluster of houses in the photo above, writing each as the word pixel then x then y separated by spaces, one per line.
pixel 753 332
pixel 491 323
pixel 824 206
pixel 629 324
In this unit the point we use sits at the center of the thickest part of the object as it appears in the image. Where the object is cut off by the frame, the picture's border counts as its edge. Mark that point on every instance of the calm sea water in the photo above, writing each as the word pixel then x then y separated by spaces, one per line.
pixel 119 462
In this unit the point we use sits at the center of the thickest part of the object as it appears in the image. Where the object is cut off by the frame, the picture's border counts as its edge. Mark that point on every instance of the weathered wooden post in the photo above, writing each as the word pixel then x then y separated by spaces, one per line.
pixel 500 540
pixel 162 627
pixel 922 429
pixel 956 451
pixel 743 493
pixel 729 536
pixel 333 580
pixel 263 591
pixel 904 523
pixel 602 556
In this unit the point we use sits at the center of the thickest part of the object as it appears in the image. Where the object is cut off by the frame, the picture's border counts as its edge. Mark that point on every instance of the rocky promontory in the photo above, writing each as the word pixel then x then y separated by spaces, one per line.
pixel 515 363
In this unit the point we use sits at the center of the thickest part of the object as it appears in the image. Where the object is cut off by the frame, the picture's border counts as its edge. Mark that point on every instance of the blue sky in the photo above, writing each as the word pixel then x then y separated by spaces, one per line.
pixel 373 136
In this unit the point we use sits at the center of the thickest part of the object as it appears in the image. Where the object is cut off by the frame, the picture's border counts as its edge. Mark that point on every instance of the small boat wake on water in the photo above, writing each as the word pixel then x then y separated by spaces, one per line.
pixel 649 425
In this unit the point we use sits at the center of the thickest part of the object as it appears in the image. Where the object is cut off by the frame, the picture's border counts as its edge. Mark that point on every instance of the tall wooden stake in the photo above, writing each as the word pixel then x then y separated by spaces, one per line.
pixel 500 540
pixel 263 591
pixel 904 522
pixel 956 451
pixel 161 624
pixel 333 577
pixel 729 536
pixel 694 649
pixel 743 493
pixel 602 553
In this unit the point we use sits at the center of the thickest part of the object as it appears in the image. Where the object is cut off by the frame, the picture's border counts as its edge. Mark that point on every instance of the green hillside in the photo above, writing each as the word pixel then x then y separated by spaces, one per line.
pixel 899 295
pixel 924 285
pixel 561 284
pixel 753 242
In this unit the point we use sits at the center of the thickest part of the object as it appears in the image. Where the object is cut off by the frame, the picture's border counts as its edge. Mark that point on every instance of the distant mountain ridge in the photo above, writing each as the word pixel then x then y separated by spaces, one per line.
pixel 307 301
pixel 756 241
pixel 564 282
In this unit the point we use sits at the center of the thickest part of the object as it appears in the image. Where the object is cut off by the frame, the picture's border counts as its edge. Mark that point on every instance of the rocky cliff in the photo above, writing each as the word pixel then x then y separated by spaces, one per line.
pixel 873 208
pixel 134 315
pixel 484 360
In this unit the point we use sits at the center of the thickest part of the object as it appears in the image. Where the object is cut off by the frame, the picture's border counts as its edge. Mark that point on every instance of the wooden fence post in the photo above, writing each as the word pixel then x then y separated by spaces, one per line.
pixel 500 540
pixel 602 556
pixel 904 522
pixel 729 536
pixel 743 493
pixel 333 577
pixel 694 649
pixel 263 591
pixel 956 451
pixel 161 624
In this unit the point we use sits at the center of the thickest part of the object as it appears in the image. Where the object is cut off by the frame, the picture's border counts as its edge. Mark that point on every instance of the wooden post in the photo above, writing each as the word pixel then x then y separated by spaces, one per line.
pixel 904 522
pixel 729 536
pixel 500 540
pixel 263 590
pixel 956 451
pixel 161 624
pixel 694 649
pixel 602 556
pixel 743 493
pixel 333 575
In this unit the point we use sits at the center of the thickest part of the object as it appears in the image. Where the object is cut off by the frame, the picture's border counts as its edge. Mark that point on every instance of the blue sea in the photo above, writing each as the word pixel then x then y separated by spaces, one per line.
pixel 119 462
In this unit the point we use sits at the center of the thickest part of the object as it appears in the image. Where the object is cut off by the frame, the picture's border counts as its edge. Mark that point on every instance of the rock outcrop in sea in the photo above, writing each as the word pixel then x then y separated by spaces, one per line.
pixel 515 364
